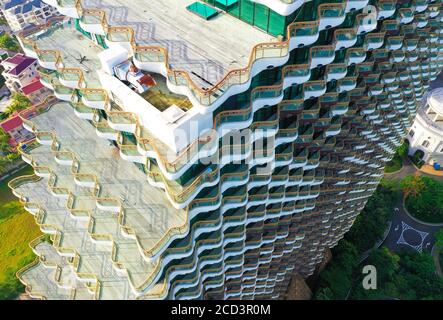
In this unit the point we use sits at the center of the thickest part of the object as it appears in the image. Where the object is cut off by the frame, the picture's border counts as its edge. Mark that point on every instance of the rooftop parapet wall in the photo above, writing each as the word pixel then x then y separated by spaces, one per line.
pixel 156 58
pixel 56 57
pixel 133 119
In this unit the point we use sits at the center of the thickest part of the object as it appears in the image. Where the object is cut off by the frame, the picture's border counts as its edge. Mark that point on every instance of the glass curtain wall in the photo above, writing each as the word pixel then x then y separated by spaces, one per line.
pixel 255 14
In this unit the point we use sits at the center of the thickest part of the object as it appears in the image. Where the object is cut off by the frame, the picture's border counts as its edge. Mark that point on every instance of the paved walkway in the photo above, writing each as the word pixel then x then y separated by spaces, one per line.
pixel 406 231
pixel 409 233
pixel 409 169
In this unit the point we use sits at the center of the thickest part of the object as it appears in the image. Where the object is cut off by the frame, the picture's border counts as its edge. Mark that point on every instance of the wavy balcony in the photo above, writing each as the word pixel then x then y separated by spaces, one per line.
pixel 329 15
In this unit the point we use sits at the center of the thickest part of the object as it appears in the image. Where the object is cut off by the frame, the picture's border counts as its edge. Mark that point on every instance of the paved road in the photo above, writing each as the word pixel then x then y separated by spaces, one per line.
pixel 406 232
pixel 409 169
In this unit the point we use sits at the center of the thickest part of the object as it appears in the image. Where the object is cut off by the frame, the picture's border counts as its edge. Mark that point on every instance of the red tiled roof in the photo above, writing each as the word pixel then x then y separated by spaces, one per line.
pixel 34 86
pixel 21 62
pixel 11 123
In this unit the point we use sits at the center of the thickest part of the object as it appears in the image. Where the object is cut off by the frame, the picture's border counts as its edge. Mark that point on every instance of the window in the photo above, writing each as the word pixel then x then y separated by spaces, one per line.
pixel 425 143
pixel 411 133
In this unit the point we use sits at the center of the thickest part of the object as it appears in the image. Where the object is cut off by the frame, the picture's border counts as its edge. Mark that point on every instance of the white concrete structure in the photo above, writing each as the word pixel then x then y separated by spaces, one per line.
pixel 22 13
pixel 427 131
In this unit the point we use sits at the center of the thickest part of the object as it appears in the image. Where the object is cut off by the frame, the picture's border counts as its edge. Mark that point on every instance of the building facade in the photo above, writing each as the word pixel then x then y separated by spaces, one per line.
pixel 14 127
pixel 426 134
pixel 257 143
pixel 21 14
pixel 19 71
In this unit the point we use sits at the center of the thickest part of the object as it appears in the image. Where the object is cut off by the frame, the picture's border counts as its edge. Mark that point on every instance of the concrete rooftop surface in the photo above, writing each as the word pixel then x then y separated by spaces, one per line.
pixel 206 49
pixel 146 209
pixel 73 46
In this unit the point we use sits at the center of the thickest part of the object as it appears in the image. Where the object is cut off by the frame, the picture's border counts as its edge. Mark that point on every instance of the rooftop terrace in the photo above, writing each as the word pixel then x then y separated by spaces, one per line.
pixel 227 45
pixel 78 50
pixel 147 214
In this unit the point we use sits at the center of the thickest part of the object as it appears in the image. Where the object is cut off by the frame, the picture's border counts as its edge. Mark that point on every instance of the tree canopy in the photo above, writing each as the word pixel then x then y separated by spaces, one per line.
pixel 7 42
pixel 19 102
pixel 424 198
pixel 404 275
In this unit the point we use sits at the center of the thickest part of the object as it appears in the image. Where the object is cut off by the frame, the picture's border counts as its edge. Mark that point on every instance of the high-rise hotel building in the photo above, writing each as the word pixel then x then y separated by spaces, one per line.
pixel 211 150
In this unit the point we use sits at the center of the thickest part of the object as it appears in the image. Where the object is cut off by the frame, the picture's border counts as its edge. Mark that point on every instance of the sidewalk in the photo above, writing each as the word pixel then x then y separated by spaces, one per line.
pixel 431 171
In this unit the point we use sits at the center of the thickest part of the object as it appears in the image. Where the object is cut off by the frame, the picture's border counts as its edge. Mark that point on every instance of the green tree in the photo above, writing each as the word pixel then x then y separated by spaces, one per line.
pixel 7 42
pixel 4 138
pixel 371 224
pixel 336 280
pixel 412 185
pixel 19 102
pixel 4 164
pixel 439 237
pixel 424 198
pixel 403 150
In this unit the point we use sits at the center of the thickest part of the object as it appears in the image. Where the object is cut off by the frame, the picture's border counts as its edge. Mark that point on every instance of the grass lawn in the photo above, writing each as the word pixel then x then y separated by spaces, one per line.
pixel 17 229
pixel 427 204
pixel 5 193
pixel 394 165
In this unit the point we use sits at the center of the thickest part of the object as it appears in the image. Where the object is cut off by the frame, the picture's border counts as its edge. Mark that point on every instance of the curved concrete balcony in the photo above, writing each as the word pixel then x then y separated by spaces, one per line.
pixel 406 15
pixel 304 34
pixel 388 78
pixel 256 180
pixel 367 24
pixel 434 14
pixel 394 43
pixel 296 74
pixel 83 112
pixel 331 14
pixel 64 158
pixel 130 153
pixel 344 38
pixel 374 40
pixel 85 180
pixel 336 71
pixel 321 55
pixel 282 7
pixel 64 93
pixel 411 57
pixel 44 138
pixel 47 79
pixel 122 121
pixel 356 5
pixel 355 56
pixel 106 132
pixel 421 5
pixel 120 36
pixel 93 21
pixel 398 56
pixel 411 44
pixel 48 59
pixel 71 78
pixel 181 196
pixel 94 98
pixel 376 90
pixel 313 89
pixel 65 7
pixel 392 87
pixel 108 205
pixel 347 84
pixel 385 11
